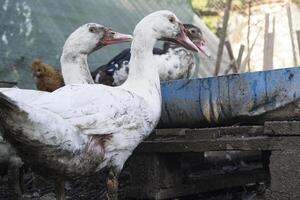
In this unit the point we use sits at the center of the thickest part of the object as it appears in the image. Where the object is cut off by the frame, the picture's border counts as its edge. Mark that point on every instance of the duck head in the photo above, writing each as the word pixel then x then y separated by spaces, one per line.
pixel 195 34
pixel 166 27
pixel 91 37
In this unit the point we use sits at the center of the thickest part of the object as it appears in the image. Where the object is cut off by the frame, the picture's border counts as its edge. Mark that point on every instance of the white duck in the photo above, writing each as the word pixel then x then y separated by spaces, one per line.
pixel 83 41
pixel 80 129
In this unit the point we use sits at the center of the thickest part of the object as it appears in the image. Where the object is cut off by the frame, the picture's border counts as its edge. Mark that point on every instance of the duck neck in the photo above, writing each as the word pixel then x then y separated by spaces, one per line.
pixel 141 55
pixel 75 69
pixel 143 77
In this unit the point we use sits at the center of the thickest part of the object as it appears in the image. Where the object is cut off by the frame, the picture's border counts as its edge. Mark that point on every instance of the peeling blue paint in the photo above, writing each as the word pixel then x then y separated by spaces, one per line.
pixel 226 100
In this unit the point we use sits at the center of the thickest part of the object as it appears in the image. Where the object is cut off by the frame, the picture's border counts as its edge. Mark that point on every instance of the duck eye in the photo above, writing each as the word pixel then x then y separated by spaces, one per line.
pixel 193 31
pixel 92 29
pixel 172 19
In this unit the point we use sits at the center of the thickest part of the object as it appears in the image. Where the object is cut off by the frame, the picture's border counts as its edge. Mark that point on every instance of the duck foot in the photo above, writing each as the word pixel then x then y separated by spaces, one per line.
pixel 14 180
pixel 112 185
pixel 60 190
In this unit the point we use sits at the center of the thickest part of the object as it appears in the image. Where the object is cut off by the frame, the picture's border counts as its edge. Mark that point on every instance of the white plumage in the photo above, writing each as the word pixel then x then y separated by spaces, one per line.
pixel 177 63
pixel 79 129
pixel 78 46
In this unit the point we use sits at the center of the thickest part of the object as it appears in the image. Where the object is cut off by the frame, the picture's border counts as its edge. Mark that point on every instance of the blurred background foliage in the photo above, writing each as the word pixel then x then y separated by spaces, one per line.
pixel 247 19
pixel 211 11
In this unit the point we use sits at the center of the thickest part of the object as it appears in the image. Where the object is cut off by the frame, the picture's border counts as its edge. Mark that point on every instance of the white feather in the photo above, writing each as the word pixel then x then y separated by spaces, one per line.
pixel 177 63
pixel 65 119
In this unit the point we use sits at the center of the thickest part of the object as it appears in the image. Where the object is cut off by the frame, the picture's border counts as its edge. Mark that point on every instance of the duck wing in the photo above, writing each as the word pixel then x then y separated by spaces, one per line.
pixel 106 74
pixel 66 131
pixel 40 136
pixel 115 72
pixel 98 109
pixel 22 95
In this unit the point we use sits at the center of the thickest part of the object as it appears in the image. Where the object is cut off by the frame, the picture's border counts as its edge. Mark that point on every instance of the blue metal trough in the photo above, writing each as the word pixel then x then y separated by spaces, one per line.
pixel 247 98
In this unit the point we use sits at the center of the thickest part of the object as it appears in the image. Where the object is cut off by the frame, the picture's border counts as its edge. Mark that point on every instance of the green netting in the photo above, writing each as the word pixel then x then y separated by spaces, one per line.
pixel 38 28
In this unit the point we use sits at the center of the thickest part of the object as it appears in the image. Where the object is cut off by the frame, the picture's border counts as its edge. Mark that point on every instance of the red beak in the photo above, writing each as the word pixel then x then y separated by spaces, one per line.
pixel 200 43
pixel 182 39
pixel 111 37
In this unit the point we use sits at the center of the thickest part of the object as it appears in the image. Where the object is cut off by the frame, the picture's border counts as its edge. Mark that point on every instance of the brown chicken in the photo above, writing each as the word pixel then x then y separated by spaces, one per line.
pixel 46 77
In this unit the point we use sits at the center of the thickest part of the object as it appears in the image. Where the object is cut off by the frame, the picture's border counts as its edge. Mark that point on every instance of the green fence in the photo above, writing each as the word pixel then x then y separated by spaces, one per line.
pixel 38 28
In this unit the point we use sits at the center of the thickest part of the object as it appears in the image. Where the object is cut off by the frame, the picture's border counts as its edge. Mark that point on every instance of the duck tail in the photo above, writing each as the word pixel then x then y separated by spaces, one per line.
pixel 10 111
pixel 15 125
pixel 7 104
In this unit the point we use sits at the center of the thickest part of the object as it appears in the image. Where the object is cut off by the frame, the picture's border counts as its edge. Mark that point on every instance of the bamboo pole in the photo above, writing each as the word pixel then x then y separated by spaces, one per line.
pixel 223 36
pixel 289 14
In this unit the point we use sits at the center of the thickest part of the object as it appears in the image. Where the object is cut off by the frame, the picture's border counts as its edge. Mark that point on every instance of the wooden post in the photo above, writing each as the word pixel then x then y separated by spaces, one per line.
pixel 298 40
pixel 233 65
pixel 248 33
pixel 289 14
pixel 265 55
pixel 239 59
pixel 271 38
pixel 223 37
pixel 268 45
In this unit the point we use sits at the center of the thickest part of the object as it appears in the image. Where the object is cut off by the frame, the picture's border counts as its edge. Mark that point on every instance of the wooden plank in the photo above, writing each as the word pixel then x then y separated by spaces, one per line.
pixel 171 132
pixel 265 55
pixel 209 184
pixel 210 175
pixel 210 133
pixel 254 143
pixel 272 40
pixel 282 128
pixel 243 144
pixel 235 131
pixel 248 32
pixel 240 56
pixel 218 158
pixel 269 49
pixel 205 133
pixel 298 40
pixel 290 20
pixel 223 36
pixel 269 55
